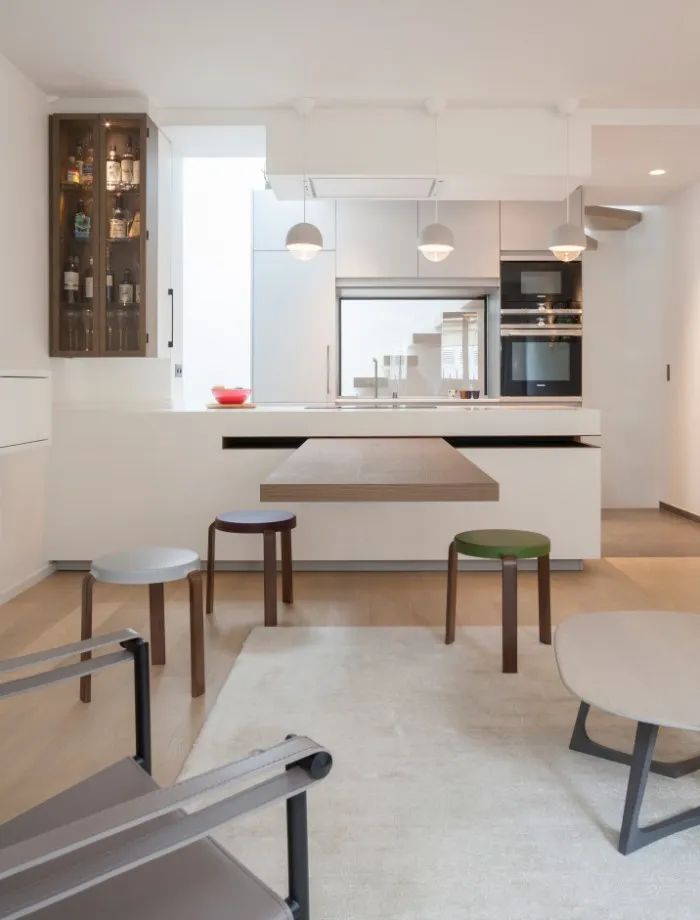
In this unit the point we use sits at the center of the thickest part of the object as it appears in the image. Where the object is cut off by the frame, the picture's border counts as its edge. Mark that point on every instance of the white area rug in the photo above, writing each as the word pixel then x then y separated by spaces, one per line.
pixel 453 792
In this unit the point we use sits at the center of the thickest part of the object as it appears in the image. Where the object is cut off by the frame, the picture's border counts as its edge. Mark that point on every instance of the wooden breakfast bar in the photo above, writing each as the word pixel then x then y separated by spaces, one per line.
pixel 378 470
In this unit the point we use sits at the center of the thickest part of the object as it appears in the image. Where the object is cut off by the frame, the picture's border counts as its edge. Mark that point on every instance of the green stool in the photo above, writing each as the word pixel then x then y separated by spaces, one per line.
pixel 508 546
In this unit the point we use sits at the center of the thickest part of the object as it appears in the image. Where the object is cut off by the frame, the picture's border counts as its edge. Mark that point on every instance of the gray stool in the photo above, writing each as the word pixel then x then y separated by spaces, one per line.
pixel 152 566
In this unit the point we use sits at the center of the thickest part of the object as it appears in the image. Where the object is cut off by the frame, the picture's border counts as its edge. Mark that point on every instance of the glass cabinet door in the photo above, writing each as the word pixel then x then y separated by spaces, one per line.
pixel 123 214
pixel 74 236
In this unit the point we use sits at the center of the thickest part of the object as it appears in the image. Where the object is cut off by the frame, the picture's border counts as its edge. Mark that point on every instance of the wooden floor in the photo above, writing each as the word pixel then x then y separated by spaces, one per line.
pixel 50 740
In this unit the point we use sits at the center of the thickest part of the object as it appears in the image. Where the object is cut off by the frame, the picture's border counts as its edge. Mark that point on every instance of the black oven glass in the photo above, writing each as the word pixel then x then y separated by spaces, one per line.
pixel 541 360
pixel 535 365
pixel 541 282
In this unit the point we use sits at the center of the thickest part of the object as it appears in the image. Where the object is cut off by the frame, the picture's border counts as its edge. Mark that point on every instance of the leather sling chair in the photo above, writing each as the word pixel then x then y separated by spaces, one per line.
pixel 117 845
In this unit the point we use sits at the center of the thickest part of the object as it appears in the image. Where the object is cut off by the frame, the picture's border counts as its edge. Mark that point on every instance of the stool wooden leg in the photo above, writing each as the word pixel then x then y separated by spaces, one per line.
pixel 509 577
pixel 287 584
pixel 86 633
pixel 451 611
pixel 156 609
pixel 211 551
pixel 270 576
pixel 543 591
pixel 196 634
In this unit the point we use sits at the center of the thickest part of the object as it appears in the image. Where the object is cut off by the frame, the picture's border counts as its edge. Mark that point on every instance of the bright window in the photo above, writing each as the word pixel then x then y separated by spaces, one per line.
pixel 217 200
pixel 411 346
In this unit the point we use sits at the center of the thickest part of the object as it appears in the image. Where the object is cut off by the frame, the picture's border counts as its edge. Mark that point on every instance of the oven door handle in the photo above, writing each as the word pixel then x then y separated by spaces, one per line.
pixel 540 333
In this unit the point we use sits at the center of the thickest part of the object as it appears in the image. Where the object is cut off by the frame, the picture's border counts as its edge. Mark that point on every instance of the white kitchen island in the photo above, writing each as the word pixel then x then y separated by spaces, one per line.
pixel 121 476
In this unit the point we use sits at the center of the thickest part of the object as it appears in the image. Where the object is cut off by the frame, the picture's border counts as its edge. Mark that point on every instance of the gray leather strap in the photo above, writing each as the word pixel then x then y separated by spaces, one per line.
pixel 68 672
pixel 92 869
pixel 78 834
pixel 65 651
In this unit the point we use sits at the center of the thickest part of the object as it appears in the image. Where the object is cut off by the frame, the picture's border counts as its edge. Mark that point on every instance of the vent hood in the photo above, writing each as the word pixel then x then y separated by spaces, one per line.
pixel 398 187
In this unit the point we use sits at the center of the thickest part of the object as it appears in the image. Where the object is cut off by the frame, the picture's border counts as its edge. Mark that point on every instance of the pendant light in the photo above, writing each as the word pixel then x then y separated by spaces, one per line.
pixel 436 241
pixel 568 240
pixel 304 240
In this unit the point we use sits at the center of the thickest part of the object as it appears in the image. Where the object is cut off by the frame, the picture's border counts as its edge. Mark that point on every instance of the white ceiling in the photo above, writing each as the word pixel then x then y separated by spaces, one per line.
pixel 623 155
pixel 230 53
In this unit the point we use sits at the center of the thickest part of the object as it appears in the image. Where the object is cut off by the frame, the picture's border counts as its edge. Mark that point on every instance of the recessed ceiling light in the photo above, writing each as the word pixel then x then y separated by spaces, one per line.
pixel 657 172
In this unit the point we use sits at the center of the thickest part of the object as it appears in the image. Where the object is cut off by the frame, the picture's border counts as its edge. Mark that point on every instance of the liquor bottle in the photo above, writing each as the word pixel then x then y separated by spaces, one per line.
pixel 135 226
pixel 89 165
pixel 81 223
pixel 79 161
pixel 126 288
pixel 127 165
pixel 136 181
pixel 71 280
pixel 89 282
pixel 72 174
pixel 117 223
pixel 114 169
pixel 109 275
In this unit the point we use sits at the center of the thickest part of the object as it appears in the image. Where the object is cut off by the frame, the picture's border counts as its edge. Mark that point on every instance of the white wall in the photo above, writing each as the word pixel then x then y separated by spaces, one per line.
pixel 625 318
pixel 23 314
pixel 681 435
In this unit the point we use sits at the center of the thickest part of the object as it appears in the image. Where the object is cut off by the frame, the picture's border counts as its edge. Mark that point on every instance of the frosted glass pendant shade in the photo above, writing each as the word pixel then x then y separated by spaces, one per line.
pixel 568 242
pixel 304 241
pixel 436 242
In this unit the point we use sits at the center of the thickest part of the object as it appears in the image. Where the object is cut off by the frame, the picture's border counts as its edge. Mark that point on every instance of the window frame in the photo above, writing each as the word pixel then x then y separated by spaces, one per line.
pixel 346 290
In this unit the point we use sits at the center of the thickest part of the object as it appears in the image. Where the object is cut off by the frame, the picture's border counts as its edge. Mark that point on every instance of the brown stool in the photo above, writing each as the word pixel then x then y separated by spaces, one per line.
pixel 508 546
pixel 268 523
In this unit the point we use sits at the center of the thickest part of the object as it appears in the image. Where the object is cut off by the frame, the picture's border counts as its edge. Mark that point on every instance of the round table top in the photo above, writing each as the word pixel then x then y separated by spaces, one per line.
pixel 257 521
pixel 145 565
pixel 640 664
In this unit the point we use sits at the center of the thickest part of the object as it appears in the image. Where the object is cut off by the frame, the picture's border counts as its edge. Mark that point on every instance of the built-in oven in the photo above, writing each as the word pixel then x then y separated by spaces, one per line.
pixel 556 285
pixel 540 360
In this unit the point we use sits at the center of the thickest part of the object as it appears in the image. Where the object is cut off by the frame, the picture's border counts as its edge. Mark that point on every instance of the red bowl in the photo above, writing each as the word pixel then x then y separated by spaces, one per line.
pixel 230 397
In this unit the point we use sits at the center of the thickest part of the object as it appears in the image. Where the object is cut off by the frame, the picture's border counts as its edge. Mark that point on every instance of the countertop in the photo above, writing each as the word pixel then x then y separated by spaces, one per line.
pixel 469 419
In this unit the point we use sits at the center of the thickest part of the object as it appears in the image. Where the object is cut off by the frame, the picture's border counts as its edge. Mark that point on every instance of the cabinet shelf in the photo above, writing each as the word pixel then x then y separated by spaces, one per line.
pixel 77 187
pixel 120 240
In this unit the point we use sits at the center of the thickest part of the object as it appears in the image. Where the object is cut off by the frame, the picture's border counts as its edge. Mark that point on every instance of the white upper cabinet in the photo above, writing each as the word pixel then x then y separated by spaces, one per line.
pixel 377 239
pixel 293 327
pixel 528 225
pixel 475 225
pixel 273 218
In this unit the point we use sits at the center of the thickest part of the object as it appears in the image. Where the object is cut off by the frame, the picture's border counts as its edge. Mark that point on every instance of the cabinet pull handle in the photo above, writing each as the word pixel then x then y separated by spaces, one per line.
pixel 172 318
pixel 328 370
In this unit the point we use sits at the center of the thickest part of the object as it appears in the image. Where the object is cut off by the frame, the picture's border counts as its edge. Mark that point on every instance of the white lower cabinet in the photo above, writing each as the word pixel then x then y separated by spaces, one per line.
pixel 293 327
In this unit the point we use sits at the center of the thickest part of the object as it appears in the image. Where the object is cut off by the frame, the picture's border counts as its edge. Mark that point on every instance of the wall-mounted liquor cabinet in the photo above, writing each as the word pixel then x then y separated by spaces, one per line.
pixel 102 243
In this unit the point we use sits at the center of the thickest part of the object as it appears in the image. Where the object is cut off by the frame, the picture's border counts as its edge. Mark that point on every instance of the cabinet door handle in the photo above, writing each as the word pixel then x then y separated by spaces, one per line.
pixel 171 295
pixel 328 370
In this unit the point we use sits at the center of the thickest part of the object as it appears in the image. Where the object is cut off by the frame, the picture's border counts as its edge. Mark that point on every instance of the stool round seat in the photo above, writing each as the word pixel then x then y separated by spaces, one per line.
pixel 257 521
pixel 638 664
pixel 145 565
pixel 496 544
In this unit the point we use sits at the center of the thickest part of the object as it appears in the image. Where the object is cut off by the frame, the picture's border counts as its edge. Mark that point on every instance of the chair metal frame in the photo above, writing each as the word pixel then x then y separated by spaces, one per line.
pixel 296 764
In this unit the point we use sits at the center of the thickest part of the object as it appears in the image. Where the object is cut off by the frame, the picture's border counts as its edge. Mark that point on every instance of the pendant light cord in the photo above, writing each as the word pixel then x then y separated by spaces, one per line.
pixel 303 160
pixel 437 165
pixel 566 165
